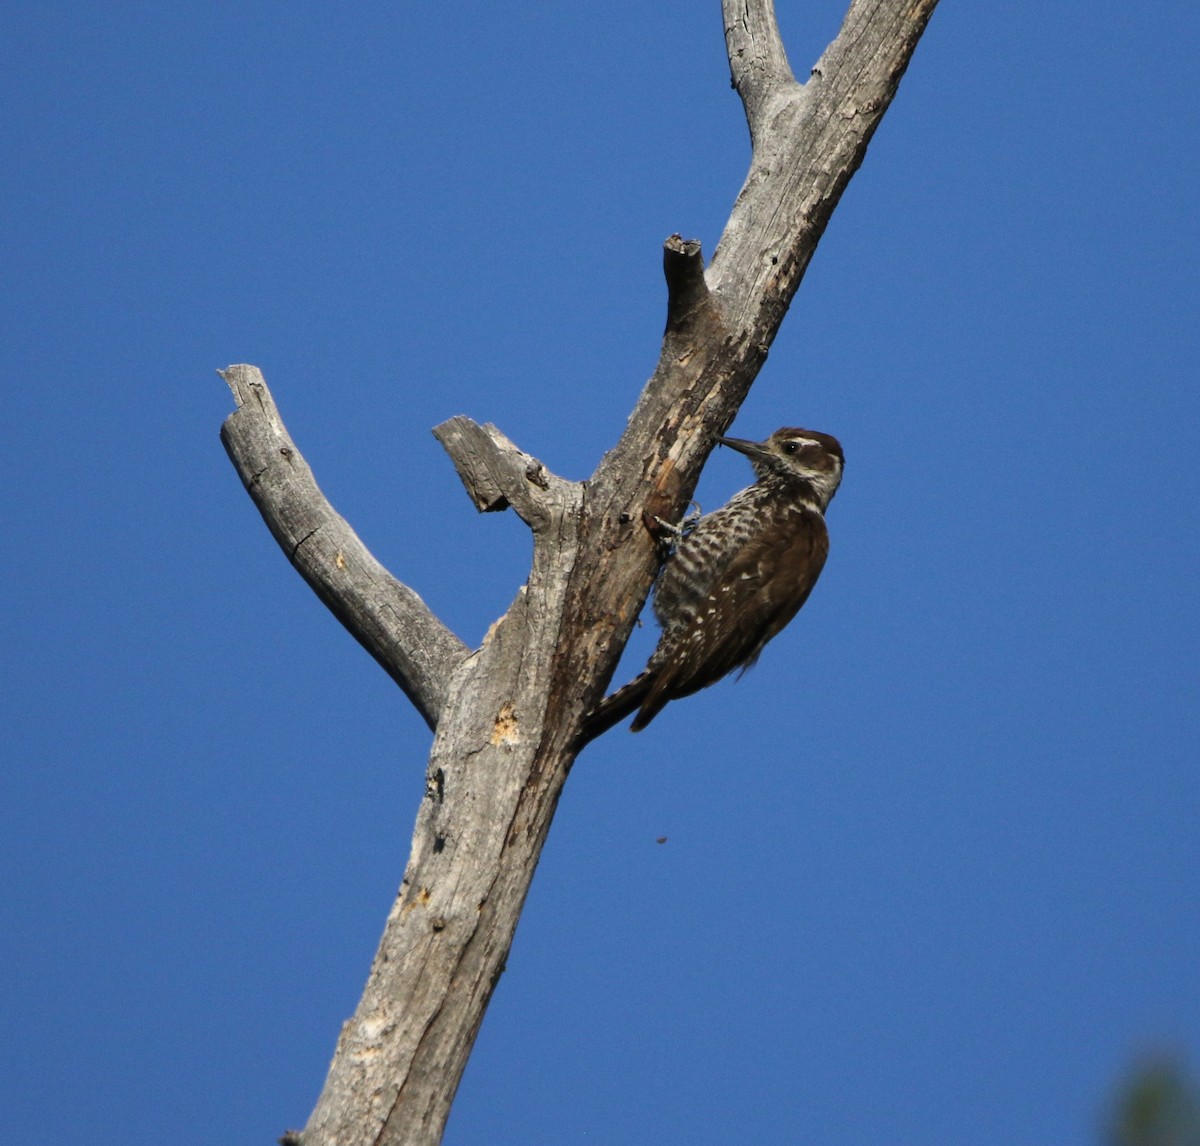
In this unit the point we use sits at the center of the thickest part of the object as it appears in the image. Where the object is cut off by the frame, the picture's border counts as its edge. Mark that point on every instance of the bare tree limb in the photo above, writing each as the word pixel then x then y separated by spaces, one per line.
pixel 509 715
pixel 687 292
pixel 387 618
pixel 818 136
pixel 758 64
pixel 496 474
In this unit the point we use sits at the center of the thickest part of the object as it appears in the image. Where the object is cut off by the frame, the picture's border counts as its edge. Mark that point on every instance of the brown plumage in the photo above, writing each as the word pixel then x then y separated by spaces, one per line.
pixel 738 577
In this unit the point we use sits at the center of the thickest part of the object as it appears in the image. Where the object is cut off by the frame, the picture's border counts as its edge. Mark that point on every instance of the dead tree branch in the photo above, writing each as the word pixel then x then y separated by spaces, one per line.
pixel 387 618
pixel 508 715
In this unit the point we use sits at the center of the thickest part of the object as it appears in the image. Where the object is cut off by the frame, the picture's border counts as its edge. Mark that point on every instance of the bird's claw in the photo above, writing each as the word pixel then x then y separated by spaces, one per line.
pixel 675 532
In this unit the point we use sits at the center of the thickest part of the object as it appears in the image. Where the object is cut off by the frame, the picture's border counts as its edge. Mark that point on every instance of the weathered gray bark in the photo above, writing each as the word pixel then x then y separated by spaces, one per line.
pixel 508 714
pixel 391 622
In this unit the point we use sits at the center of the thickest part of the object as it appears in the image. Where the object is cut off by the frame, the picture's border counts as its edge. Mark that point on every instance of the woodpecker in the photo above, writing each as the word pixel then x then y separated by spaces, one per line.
pixel 738 576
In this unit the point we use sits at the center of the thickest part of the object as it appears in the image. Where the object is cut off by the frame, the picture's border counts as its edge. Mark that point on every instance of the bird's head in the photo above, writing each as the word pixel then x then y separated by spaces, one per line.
pixel 795 456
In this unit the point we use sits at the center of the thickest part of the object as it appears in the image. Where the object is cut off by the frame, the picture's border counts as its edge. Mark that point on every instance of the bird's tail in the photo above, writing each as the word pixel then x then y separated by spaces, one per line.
pixel 613 709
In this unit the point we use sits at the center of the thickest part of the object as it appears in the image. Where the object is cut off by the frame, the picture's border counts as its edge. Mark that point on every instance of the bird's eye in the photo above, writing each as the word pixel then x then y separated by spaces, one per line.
pixel 790 447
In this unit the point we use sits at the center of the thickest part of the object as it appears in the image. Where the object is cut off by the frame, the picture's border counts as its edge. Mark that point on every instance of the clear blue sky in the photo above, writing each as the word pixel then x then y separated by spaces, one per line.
pixel 932 870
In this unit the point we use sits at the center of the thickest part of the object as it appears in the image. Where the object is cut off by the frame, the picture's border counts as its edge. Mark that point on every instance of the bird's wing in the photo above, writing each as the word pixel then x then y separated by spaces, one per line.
pixel 760 591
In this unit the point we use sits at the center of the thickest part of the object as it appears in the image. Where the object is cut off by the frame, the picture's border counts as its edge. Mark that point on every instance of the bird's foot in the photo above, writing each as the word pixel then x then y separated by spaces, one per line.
pixel 670 532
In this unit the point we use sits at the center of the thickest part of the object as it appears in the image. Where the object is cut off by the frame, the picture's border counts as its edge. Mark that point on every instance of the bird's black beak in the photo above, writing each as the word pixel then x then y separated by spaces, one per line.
pixel 752 450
